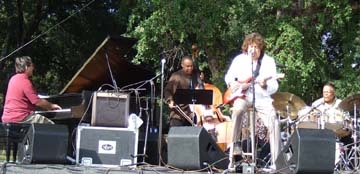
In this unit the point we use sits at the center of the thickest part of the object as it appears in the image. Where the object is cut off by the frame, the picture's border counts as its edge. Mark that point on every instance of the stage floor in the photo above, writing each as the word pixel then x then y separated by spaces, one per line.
pixel 11 168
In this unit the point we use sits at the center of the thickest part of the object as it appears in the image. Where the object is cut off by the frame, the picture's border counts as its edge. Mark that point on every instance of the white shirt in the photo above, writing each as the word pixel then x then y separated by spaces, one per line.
pixel 240 69
pixel 322 106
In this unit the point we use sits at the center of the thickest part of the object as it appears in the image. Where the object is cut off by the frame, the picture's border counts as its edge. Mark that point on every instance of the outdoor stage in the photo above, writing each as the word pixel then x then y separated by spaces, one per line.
pixel 178 153
pixel 11 168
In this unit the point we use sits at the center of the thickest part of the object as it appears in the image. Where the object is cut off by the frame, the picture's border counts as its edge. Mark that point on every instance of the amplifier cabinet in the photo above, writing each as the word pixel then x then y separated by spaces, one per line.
pixel 106 146
pixel 110 109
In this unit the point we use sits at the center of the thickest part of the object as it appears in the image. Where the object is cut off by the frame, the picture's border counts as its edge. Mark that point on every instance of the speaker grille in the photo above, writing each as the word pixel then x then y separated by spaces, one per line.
pixel 44 144
pixel 110 109
pixel 308 151
pixel 192 148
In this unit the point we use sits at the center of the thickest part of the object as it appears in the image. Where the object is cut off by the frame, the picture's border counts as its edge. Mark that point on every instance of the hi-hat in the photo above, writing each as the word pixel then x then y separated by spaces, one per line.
pixel 286 104
pixel 348 103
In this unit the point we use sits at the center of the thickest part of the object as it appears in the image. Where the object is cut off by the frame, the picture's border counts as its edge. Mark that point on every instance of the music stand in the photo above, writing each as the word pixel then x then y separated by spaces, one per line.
pixel 193 96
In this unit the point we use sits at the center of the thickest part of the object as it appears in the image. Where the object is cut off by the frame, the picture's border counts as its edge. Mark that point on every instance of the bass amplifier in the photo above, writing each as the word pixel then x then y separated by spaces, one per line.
pixel 106 146
pixel 110 109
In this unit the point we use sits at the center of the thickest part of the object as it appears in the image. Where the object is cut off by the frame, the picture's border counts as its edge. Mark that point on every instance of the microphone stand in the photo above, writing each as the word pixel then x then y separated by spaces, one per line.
pixel 253 119
pixel 147 127
pixel 111 74
pixel 146 111
pixel 288 131
pixel 161 110
pixel 301 117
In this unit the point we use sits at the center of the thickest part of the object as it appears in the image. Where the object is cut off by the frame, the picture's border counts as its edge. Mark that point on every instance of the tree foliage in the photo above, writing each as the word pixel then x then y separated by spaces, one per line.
pixel 317 41
pixel 58 35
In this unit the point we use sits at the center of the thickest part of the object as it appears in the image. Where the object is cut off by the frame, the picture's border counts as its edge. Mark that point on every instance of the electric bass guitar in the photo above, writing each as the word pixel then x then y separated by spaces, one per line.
pixel 240 89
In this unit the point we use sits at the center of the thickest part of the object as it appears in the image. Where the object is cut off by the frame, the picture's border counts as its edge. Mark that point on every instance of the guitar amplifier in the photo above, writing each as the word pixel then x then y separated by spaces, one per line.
pixel 110 109
pixel 106 146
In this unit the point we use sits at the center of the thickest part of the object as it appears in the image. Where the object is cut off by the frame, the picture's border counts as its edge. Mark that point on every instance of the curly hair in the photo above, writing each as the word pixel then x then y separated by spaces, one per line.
pixel 254 38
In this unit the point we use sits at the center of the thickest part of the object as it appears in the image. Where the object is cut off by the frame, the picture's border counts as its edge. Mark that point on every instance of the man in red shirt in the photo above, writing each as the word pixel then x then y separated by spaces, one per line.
pixel 22 98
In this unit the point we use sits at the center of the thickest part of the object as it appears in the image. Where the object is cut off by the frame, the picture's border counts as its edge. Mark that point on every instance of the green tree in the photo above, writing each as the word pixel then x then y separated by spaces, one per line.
pixel 294 32
pixel 60 36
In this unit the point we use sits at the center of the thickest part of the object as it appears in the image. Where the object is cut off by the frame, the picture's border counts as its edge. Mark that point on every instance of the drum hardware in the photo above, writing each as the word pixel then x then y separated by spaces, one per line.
pixel 302 118
pixel 352 159
pixel 184 115
pixel 287 104
pixel 350 103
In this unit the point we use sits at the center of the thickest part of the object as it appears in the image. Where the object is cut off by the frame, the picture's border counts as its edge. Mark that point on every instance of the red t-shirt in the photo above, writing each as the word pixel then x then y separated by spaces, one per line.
pixel 20 99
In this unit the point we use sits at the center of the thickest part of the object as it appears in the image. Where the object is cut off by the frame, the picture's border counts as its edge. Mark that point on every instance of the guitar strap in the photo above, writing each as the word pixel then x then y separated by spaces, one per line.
pixel 258 65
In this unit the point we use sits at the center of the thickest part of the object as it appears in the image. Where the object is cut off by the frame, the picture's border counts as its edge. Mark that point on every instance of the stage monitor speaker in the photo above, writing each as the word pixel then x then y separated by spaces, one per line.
pixel 110 109
pixel 192 148
pixel 308 151
pixel 44 144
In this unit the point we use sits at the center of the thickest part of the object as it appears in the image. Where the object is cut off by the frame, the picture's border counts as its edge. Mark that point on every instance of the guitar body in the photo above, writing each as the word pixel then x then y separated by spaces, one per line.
pixel 233 93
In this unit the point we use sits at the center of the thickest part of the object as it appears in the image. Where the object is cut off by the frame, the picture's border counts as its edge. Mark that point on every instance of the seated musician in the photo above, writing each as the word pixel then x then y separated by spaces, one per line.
pixel 328 106
pixel 22 98
pixel 184 78
pixel 253 61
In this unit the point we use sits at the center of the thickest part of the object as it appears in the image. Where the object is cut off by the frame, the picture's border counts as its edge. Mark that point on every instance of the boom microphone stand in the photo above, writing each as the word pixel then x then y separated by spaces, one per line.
pixel 146 110
pixel 147 126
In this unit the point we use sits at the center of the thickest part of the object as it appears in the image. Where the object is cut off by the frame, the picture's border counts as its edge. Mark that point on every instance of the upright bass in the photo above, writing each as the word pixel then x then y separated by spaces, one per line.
pixel 206 110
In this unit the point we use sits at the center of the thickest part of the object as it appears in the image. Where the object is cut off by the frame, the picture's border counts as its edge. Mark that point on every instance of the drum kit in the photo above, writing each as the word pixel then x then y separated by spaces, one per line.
pixel 343 120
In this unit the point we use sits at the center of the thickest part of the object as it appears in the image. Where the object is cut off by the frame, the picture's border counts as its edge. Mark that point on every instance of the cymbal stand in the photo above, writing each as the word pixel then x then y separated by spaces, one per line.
pixel 288 126
pixel 355 138
pixel 350 160
pixel 347 161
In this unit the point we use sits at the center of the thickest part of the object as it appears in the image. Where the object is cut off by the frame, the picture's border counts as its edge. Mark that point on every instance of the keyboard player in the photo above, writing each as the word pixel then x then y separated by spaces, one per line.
pixel 21 97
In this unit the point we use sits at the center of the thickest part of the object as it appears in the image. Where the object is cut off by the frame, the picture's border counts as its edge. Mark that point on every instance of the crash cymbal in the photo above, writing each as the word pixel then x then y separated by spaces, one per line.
pixel 285 102
pixel 348 103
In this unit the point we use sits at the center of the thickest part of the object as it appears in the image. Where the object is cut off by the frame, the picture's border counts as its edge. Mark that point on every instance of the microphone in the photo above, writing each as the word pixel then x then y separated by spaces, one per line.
pixel 163 61
pixel 252 52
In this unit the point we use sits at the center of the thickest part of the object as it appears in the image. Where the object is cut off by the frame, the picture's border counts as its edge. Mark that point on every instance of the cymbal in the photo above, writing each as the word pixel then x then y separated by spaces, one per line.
pixel 284 100
pixel 348 103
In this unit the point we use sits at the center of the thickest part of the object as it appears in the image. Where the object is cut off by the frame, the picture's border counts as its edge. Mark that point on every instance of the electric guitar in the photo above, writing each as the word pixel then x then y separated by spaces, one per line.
pixel 240 89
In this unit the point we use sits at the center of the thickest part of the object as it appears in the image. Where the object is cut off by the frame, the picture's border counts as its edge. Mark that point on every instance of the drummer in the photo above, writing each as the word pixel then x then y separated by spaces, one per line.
pixel 328 105
pixel 328 101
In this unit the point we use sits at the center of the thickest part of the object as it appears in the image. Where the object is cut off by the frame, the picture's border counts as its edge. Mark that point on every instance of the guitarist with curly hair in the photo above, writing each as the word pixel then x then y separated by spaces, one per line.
pixel 252 65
